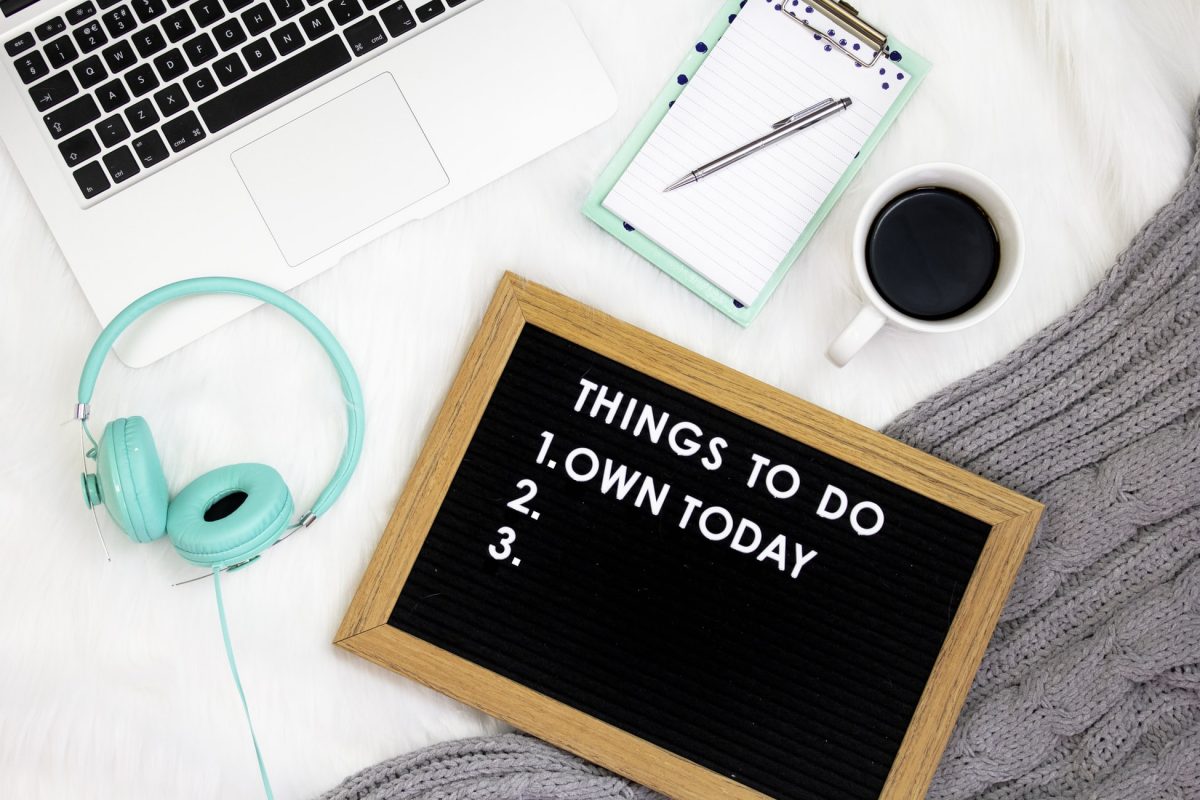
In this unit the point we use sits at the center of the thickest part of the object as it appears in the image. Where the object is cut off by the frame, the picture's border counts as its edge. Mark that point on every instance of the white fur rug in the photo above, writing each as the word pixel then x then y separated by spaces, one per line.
pixel 112 684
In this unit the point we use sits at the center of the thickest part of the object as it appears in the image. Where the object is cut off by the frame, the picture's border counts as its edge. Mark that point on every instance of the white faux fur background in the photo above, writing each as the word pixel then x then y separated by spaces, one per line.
pixel 113 684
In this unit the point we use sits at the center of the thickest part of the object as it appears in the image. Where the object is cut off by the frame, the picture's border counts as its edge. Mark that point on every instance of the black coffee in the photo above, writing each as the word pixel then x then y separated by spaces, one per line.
pixel 932 253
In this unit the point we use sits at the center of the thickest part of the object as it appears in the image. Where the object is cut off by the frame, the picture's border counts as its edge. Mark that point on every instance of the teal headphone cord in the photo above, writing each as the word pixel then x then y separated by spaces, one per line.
pixel 237 681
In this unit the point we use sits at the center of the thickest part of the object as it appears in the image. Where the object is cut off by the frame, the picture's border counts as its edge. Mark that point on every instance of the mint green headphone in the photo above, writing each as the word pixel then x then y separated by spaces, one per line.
pixel 225 517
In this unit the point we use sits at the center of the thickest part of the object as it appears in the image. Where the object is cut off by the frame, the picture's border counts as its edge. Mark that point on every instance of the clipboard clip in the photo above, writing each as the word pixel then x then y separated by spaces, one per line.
pixel 845 15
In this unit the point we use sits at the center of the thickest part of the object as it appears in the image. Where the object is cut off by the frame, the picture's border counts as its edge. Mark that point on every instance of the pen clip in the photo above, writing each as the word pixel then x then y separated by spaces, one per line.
pixel 819 106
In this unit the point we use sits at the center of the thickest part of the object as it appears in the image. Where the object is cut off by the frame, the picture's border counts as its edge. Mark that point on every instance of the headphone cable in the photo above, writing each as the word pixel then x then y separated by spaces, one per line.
pixel 262 769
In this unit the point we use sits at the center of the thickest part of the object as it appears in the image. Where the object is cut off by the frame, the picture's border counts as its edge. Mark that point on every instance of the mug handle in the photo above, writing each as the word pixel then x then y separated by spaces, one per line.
pixel 860 330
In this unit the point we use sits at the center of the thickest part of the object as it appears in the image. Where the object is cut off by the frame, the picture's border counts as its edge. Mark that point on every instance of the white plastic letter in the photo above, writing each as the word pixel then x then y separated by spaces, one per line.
pixel 793 479
pixel 575 474
pixel 737 543
pixel 858 527
pixel 588 386
pixel 776 551
pixel 759 463
pixel 802 558
pixel 721 533
pixel 713 460
pixel 832 491
pixel 689 446
pixel 692 504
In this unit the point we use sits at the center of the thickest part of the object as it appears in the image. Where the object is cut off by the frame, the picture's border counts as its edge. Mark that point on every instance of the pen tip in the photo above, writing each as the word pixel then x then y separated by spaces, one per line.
pixel 678 183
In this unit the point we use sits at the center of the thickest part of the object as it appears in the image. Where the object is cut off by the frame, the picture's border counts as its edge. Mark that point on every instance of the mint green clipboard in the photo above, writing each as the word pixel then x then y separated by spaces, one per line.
pixel 915 70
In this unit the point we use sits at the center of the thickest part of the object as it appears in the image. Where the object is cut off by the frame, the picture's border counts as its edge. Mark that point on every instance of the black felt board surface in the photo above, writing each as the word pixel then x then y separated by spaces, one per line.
pixel 799 683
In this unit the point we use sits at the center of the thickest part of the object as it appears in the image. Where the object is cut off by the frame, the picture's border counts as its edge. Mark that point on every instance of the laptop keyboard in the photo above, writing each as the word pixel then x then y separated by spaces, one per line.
pixel 125 86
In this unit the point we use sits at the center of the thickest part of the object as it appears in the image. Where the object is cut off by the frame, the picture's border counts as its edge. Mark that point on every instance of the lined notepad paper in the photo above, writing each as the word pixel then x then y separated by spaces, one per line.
pixel 737 226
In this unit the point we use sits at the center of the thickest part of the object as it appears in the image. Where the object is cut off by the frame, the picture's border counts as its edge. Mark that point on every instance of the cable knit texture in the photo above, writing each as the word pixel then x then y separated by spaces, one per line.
pixel 507 767
pixel 1090 687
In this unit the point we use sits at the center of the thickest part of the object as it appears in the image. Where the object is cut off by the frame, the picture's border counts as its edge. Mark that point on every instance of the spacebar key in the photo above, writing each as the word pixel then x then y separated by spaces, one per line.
pixel 271 84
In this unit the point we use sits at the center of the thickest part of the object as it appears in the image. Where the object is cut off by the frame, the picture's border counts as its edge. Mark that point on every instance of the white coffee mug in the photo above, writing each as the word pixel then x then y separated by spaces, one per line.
pixel 876 311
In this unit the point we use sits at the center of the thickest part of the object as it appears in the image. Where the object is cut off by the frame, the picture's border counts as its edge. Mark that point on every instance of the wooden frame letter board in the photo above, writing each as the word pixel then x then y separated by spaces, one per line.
pixel 682 574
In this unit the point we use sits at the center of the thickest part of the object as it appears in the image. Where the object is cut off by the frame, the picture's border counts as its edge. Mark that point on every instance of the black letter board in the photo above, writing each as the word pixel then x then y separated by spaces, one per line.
pixel 682 574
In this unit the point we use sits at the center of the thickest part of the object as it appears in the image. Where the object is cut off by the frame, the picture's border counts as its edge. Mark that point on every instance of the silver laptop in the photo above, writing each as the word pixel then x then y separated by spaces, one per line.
pixel 166 139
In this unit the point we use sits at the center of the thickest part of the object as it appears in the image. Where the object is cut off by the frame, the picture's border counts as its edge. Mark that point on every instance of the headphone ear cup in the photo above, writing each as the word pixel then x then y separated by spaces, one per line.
pixel 229 515
pixel 130 480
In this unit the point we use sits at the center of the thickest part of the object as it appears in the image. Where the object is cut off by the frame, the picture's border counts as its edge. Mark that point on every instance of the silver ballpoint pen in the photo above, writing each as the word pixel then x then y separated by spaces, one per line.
pixel 780 130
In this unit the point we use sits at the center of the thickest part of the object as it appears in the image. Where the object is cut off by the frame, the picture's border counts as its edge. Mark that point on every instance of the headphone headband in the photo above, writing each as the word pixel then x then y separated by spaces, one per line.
pixel 196 286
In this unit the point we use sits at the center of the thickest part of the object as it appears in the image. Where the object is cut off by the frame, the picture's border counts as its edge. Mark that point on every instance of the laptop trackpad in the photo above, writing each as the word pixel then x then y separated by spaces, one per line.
pixel 340 168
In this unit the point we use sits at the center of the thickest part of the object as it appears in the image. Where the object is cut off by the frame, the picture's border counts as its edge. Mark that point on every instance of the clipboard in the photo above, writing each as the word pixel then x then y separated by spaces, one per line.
pixel 839 22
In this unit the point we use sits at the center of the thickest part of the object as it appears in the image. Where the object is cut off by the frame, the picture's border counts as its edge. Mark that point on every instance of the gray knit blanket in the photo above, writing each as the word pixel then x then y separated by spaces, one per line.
pixel 1090 687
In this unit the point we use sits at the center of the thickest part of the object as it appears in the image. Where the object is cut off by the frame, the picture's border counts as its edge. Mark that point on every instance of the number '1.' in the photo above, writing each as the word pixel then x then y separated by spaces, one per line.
pixel 547 438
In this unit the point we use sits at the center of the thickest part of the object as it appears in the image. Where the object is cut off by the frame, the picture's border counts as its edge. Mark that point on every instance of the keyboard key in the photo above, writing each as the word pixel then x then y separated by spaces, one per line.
pixel 12 7
pixel 106 3
pixel 90 36
pixel 149 149
pixel 19 44
pixel 61 52
pixel 229 34
pixel 81 12
pixel 90 71
pixel 398 19
pixel 112 95
pixel 206 12
pixel 171 100
pixel 229 69
pixel 148 41
pixel 141 80
pixel 373 4
pixel 430 10
pixel 183 132
pixel 170 65
pixel 91 179
pixel 178 26
pixel 141 115
pixel 121 164
pixel 31 66
pixel 119 21
pixel 257 19
pixel 316 24
pixel 258 54
pixel 286 9
pixel 365 36
pixel 79 148
pixel 200 84
pixel 148 10
pixel 274 83
pixel 200 49
pixel 453 3
pixel 53 90
pixel 287 39
pixel 345 10
pixel 71 117
pixel 234 6
pixel 51 27
pixel 112 131
pixel 119 56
